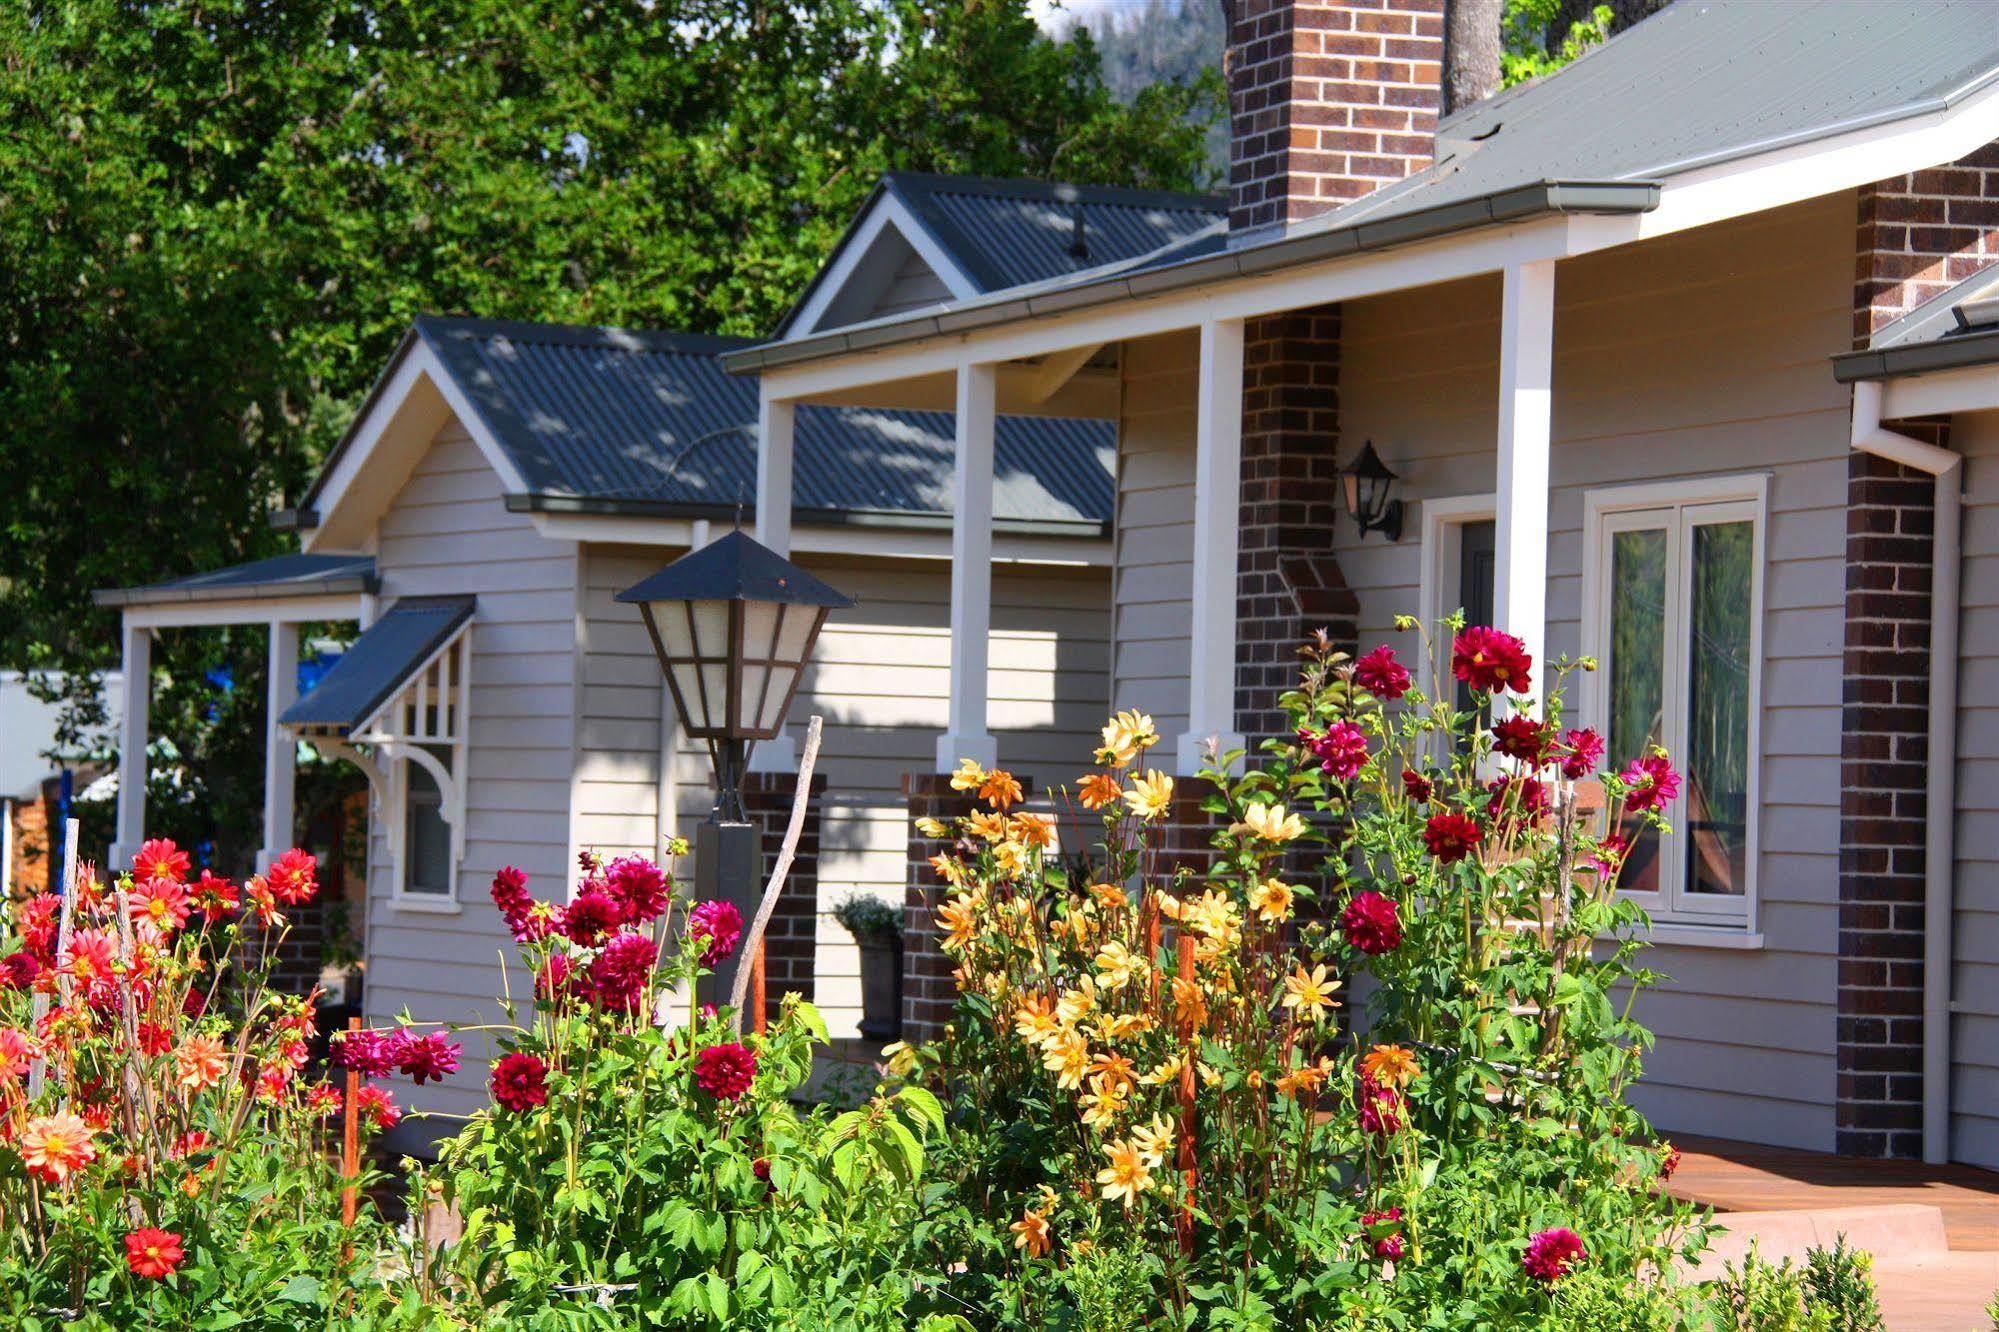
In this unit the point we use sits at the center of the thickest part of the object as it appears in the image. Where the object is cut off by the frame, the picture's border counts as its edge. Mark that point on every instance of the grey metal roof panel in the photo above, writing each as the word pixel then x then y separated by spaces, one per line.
pixel 380 662
pixel 611 415
pixel 279 576
pixel 1705 81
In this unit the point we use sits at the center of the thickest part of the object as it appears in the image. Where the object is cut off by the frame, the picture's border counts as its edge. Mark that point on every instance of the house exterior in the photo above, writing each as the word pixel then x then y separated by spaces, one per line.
pixel 1679 356
pixel 503 482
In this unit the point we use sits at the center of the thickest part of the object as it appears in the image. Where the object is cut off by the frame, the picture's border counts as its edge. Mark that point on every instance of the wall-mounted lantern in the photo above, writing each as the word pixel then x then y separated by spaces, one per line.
pixel 1369 489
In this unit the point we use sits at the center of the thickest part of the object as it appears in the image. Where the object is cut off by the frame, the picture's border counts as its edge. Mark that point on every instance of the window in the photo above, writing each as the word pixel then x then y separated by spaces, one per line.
pixel 426 834
pixel 1459 537
pixel 1673 617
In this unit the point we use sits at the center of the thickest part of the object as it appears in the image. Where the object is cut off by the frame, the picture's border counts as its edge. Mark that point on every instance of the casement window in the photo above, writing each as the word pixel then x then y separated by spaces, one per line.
pixel 1459 561
pixel 1673 600
pixel 427 860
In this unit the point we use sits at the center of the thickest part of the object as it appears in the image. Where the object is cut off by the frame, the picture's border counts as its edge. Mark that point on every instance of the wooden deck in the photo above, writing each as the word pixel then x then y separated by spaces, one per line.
pixel 1743 1177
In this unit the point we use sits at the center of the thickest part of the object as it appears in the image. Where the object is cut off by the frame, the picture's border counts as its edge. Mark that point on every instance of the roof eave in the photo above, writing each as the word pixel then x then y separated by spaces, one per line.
pixel 1501 207
pixel 1917 358
pixel 887 519
pixel 168 595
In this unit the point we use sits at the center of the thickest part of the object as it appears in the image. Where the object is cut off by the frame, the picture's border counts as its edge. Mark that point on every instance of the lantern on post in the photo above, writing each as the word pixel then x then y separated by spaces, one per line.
pixel 1369 490
pixel 733 625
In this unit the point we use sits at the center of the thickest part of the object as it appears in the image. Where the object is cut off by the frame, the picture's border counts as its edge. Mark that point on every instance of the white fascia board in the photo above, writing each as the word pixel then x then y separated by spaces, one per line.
pixel 342 484
pixel 247 610
pixel 872 541
pixel 1971 388
pixel 889 211
pixel 1342 278
pixel 1823 166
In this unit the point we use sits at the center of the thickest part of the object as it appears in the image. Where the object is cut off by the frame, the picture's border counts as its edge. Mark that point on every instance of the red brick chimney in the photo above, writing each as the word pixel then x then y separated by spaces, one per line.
pixel 1328 101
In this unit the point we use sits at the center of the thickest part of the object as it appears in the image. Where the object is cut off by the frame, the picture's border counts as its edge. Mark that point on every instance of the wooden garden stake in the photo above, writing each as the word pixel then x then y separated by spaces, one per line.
pixel 1187 1170
pixel 754 943
pixel 38 1070
pixel 759 1016
pixel 350 1133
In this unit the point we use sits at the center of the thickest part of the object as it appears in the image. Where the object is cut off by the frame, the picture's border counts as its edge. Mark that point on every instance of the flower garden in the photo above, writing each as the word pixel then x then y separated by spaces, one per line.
pixel 1365 1068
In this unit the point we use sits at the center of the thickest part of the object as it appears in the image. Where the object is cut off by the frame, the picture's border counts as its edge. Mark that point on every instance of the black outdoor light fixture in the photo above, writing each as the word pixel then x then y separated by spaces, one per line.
pixel 1369 488
pixel 733 624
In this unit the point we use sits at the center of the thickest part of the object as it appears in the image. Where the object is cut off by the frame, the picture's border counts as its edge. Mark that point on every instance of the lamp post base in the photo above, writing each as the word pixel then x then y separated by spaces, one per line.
pixel 728 865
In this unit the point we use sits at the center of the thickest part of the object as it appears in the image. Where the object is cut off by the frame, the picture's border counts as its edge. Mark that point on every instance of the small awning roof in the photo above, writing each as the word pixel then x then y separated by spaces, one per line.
pixel 279 576
pixel 382 660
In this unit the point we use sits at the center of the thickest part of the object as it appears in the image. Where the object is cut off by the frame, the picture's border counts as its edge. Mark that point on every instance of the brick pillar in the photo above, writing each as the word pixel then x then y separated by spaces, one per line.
pixel 1920 234
pixel 928 992
pixel 791 941
pixel 302 956
pixel 1289 582
pixel 30 847
pixel 1328 100
pixel 1884 751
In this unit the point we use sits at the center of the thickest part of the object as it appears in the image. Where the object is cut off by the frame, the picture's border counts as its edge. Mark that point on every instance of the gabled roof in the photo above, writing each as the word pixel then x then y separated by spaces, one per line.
pixel 600 420
pixel 381 661
pixel 996 234
pixel 1699 84
pixel 279 576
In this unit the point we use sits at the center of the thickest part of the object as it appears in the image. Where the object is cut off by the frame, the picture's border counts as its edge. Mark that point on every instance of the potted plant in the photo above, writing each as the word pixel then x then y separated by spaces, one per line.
pixel 877 929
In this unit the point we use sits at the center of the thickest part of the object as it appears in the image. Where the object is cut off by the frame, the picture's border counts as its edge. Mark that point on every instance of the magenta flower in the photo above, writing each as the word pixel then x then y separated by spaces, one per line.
pixel 1372 924
pixel 622 973
pixel 510 892
pixel 639 886
pixel 1380 674
pixel 1550 1252
pixel 367 1052
pixel 721 925
pixel 426 1058
pixel 1582 751
pixel 1521 738
pixel 1342 750
pixel 1650 782
pixel 593 915
pixel 725 1071
pixel 519 1082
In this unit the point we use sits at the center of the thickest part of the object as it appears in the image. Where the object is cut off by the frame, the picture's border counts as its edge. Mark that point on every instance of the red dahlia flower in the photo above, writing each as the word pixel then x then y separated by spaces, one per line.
pixel 1650 782
pixel 510 893
pixel 1389 1247
pixel 367 1052
pixel 1490 661
pixel 1451 837
pixel 1669 1160
pixel 1341 751
pixel 721 925
pixel 520 1082
pixel 639 886
pixel 1517 797
pixel 621 975
pixel 18 971
pixel 1380 1109
pixel 591 916
pixel 426 1058
pixel 1372 924
pixel 1521 738
pixel 1550 1252
pixel 375 1105
pixel 725 1071
pixel 1417 786
pixel 294 877
pixel 160 859
pixel 153 1253
pixel 1581 752
pixel 1380 674
pixel 39 919
pixel 322 1100
pixel 556 980
pixel 215 897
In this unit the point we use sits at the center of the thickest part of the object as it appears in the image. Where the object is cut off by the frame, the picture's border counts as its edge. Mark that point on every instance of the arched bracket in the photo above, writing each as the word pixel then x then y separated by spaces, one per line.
pixel 450 790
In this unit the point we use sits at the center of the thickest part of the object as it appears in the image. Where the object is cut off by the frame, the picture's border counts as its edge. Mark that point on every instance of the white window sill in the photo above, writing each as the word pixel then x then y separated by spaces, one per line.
pixel 1674 934
pixel 424 905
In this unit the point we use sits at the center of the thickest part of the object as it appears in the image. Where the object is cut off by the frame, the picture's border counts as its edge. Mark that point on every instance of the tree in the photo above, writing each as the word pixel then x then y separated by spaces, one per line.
pixel 1471 52
pixel 217 219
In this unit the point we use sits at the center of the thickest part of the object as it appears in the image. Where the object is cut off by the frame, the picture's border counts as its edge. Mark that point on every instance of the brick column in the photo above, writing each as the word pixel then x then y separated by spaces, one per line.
pixel 1288 579
pixel 928 992
pixel 791 941
pixel 1922 233
pixel 1884 750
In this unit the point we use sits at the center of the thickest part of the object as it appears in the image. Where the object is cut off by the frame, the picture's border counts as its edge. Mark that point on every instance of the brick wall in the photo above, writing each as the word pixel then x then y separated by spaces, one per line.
pixel 791 941
pixel 1288 581
pixel 928 992
pixel 1328 101
pixel 1919 234
pixel 30 870
pixel 1884 750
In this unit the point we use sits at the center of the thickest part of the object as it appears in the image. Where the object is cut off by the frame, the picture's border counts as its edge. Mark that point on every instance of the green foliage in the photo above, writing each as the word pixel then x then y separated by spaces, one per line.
pixel 1598 1301
pixel 869 917
pixel 1762 1297
pixel 217 220
pixel 1840 1281
pixel 1533 42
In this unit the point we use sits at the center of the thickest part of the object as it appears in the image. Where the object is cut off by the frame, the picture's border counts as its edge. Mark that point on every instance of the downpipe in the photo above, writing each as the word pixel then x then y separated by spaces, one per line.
pixel 1940 851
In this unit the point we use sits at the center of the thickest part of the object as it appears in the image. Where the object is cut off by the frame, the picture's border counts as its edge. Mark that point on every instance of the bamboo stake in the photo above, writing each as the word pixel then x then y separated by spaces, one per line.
pixel 350 1134
pixel 1187 1171
pixel 799 799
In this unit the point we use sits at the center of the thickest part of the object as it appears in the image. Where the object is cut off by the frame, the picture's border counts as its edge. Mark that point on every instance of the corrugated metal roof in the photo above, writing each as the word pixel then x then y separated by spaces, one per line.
pixel 1005 233
pixel 380 662
pixel 279 576
pixel 1704 81
pixel 605 414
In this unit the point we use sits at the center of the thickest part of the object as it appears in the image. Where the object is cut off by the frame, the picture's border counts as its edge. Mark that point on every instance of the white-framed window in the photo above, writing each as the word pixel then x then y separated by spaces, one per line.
pixel 426 866
pixel 1459 563
pixel 1673 613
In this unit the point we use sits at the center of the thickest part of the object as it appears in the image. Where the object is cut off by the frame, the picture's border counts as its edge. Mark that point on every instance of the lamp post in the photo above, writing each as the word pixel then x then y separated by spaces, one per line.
pixel 733 624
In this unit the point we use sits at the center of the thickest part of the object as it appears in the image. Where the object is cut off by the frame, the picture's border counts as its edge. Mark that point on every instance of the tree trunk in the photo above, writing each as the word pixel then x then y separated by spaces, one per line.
pixel 1471 52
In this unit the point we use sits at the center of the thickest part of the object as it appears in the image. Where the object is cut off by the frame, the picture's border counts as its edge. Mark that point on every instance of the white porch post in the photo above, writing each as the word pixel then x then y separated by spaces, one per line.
pixel 776 428
pixel 1526 390
pixel 280 746
pixel 965 735
pixel 776 424
pixel 137 667
pixel 1217 507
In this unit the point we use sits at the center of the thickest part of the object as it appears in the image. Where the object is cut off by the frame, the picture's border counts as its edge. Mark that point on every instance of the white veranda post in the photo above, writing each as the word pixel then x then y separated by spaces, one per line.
pixel 137 666
pixel 280 745
pixel 777 421
pixel 1217 508
pixel 1526 385
pixel 965 734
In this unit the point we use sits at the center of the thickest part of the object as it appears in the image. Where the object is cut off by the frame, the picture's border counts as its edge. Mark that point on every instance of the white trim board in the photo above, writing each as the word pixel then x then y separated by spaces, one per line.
pixel 888 212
